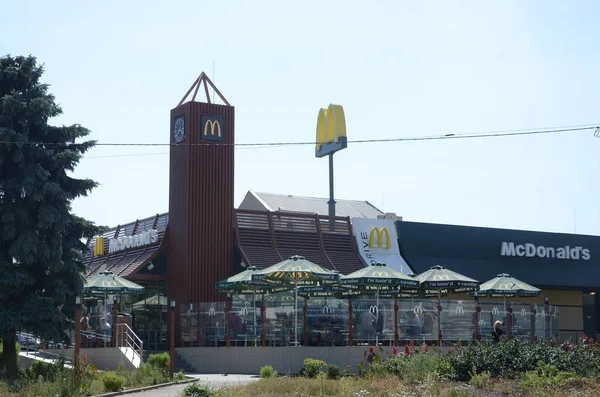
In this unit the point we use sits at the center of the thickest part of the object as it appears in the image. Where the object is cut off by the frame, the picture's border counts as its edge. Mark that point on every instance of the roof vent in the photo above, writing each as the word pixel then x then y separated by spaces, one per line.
pixel 390 215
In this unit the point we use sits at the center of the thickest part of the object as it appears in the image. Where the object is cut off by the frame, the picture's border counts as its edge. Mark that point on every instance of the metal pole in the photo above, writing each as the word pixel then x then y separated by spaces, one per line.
pixel 350 336
pixel 331 201
pixel 172 340
pixel 77 330
pixel 296 315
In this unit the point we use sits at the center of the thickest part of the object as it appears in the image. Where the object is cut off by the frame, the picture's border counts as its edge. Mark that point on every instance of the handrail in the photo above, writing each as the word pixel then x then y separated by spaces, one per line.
pixel 131 340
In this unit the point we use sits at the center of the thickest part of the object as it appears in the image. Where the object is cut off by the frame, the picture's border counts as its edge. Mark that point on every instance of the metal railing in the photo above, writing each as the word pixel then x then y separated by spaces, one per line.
pixel 128 339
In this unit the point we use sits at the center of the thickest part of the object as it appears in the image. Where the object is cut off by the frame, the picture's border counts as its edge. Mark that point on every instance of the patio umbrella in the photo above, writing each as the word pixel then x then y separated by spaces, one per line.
pixel 378 277
pixel 506 286
pixel 106 283
pixel 242 283
pixel 155 301
pixel 443 280
pixel 296 271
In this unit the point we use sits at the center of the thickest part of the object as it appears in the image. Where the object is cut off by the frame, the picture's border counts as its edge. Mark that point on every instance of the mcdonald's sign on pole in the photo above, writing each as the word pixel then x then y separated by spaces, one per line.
pixel 331 131
pixel 99 246
pixel 212 128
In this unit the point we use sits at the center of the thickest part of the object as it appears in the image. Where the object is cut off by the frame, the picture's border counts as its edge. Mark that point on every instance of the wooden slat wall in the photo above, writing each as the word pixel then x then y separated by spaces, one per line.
pixel 200 207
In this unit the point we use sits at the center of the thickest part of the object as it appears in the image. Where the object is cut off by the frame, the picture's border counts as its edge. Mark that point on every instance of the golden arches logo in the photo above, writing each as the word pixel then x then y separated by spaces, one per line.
pixel 380 233
pixel 506 285
pixel 441 277
pixel 331 130
pixel 214 125
pixel 99 246
pixel 380 274
pixel 110 283
pixel 293 268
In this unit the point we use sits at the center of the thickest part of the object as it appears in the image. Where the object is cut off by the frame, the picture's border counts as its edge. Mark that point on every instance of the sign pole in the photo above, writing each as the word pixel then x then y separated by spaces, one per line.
pixel 331 201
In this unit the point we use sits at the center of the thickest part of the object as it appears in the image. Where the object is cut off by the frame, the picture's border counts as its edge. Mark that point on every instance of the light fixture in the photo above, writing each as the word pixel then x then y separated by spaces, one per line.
pixel 151 266
pixel 173 304
pixel 593 293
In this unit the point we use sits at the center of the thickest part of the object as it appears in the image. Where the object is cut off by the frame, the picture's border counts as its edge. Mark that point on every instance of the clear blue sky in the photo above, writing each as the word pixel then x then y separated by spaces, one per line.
pixel 399 68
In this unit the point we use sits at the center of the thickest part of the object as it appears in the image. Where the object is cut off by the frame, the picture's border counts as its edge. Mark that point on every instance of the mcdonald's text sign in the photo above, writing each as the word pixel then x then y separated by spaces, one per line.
pixel 212 128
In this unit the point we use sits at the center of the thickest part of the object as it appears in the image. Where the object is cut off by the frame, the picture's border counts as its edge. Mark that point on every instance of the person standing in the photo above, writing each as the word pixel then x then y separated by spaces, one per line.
pixel 497 332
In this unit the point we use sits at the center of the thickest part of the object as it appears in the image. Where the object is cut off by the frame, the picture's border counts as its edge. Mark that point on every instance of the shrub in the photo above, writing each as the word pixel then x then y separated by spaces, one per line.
pixel 480 381
pixel 267 372
pixel 334 371
pixel 312 368
pixel 161 362
pixel 413 367
pixel 511 358
pixel 547 375
pixel 112 382
pixel 197 390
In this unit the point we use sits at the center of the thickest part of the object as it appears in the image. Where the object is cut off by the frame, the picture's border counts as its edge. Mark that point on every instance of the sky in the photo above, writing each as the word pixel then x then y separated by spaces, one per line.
pixel 399 69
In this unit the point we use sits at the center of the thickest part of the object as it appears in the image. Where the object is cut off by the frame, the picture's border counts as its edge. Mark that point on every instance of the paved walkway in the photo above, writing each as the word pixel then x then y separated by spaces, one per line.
pixel 215 381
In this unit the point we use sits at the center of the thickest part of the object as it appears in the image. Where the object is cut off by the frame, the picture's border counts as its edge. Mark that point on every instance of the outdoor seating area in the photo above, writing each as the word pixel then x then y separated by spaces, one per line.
pixel 324 322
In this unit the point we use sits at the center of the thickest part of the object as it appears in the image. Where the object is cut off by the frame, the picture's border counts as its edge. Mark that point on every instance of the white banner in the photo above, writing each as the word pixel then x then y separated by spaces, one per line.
pixel 377 241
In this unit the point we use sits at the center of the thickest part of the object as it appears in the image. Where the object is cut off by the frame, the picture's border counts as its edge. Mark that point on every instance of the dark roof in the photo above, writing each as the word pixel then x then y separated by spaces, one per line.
pixel 265 238
pixel 128 261
pixel 312 205
pixel 476 252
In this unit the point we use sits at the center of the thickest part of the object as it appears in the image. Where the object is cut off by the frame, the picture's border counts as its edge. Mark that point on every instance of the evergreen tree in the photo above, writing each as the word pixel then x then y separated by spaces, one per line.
pixel 41 248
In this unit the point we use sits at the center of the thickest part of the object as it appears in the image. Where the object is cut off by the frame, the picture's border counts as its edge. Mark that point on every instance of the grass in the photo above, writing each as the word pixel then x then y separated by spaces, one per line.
pixel 391 386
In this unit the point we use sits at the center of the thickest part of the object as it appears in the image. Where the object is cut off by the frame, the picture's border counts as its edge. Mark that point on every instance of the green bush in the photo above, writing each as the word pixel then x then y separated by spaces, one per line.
pixel 334 371
pixel 416 367
pixel 112 382
pixel 162 362
pixel 480 381
pixel 197 390
pixel 512 358
pixel 547 375
pixel 312 368
pixel 267 371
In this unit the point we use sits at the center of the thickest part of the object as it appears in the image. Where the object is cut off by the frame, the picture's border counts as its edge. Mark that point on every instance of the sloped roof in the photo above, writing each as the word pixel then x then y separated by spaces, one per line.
pixel 127 261
pixel 314 205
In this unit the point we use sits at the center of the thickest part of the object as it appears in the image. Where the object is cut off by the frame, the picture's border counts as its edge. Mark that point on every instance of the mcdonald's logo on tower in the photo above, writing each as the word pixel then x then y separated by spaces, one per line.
pixel 379 233
pixel 212 128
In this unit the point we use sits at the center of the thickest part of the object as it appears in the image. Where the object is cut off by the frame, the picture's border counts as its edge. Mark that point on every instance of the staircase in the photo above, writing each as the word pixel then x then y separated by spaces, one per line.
pixel 180 363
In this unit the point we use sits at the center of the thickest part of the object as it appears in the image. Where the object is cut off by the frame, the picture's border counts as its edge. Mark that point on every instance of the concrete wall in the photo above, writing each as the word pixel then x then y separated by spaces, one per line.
pixel 107 358
pixel 285 360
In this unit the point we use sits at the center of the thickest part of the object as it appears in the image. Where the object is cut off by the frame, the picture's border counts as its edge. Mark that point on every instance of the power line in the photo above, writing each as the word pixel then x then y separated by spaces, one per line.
pixel 383 140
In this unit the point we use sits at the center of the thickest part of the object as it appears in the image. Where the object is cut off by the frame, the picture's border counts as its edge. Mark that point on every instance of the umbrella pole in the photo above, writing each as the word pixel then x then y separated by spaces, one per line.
pixel 396 322
pixel 377 319
pixel 296 315
pixel 439 317
pixel 254 313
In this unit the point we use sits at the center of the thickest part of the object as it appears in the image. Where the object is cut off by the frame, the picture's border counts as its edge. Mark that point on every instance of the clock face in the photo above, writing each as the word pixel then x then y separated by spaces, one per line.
pixel 179 129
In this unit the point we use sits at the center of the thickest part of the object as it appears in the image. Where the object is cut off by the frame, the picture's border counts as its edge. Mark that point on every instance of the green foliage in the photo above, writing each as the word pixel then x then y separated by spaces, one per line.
pixel 512 358
pixel 267 371
pixel 333 371
pixel 480 381
pixel 41 243
pixel 112 382
pixel 162 362
pixel 413 367
pixel 179 376
pixel 197 390
pixel 312 368
pixel 547 375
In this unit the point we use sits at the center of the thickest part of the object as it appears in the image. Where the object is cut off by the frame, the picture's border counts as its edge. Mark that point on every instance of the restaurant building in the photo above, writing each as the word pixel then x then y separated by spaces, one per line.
pixel 180 255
